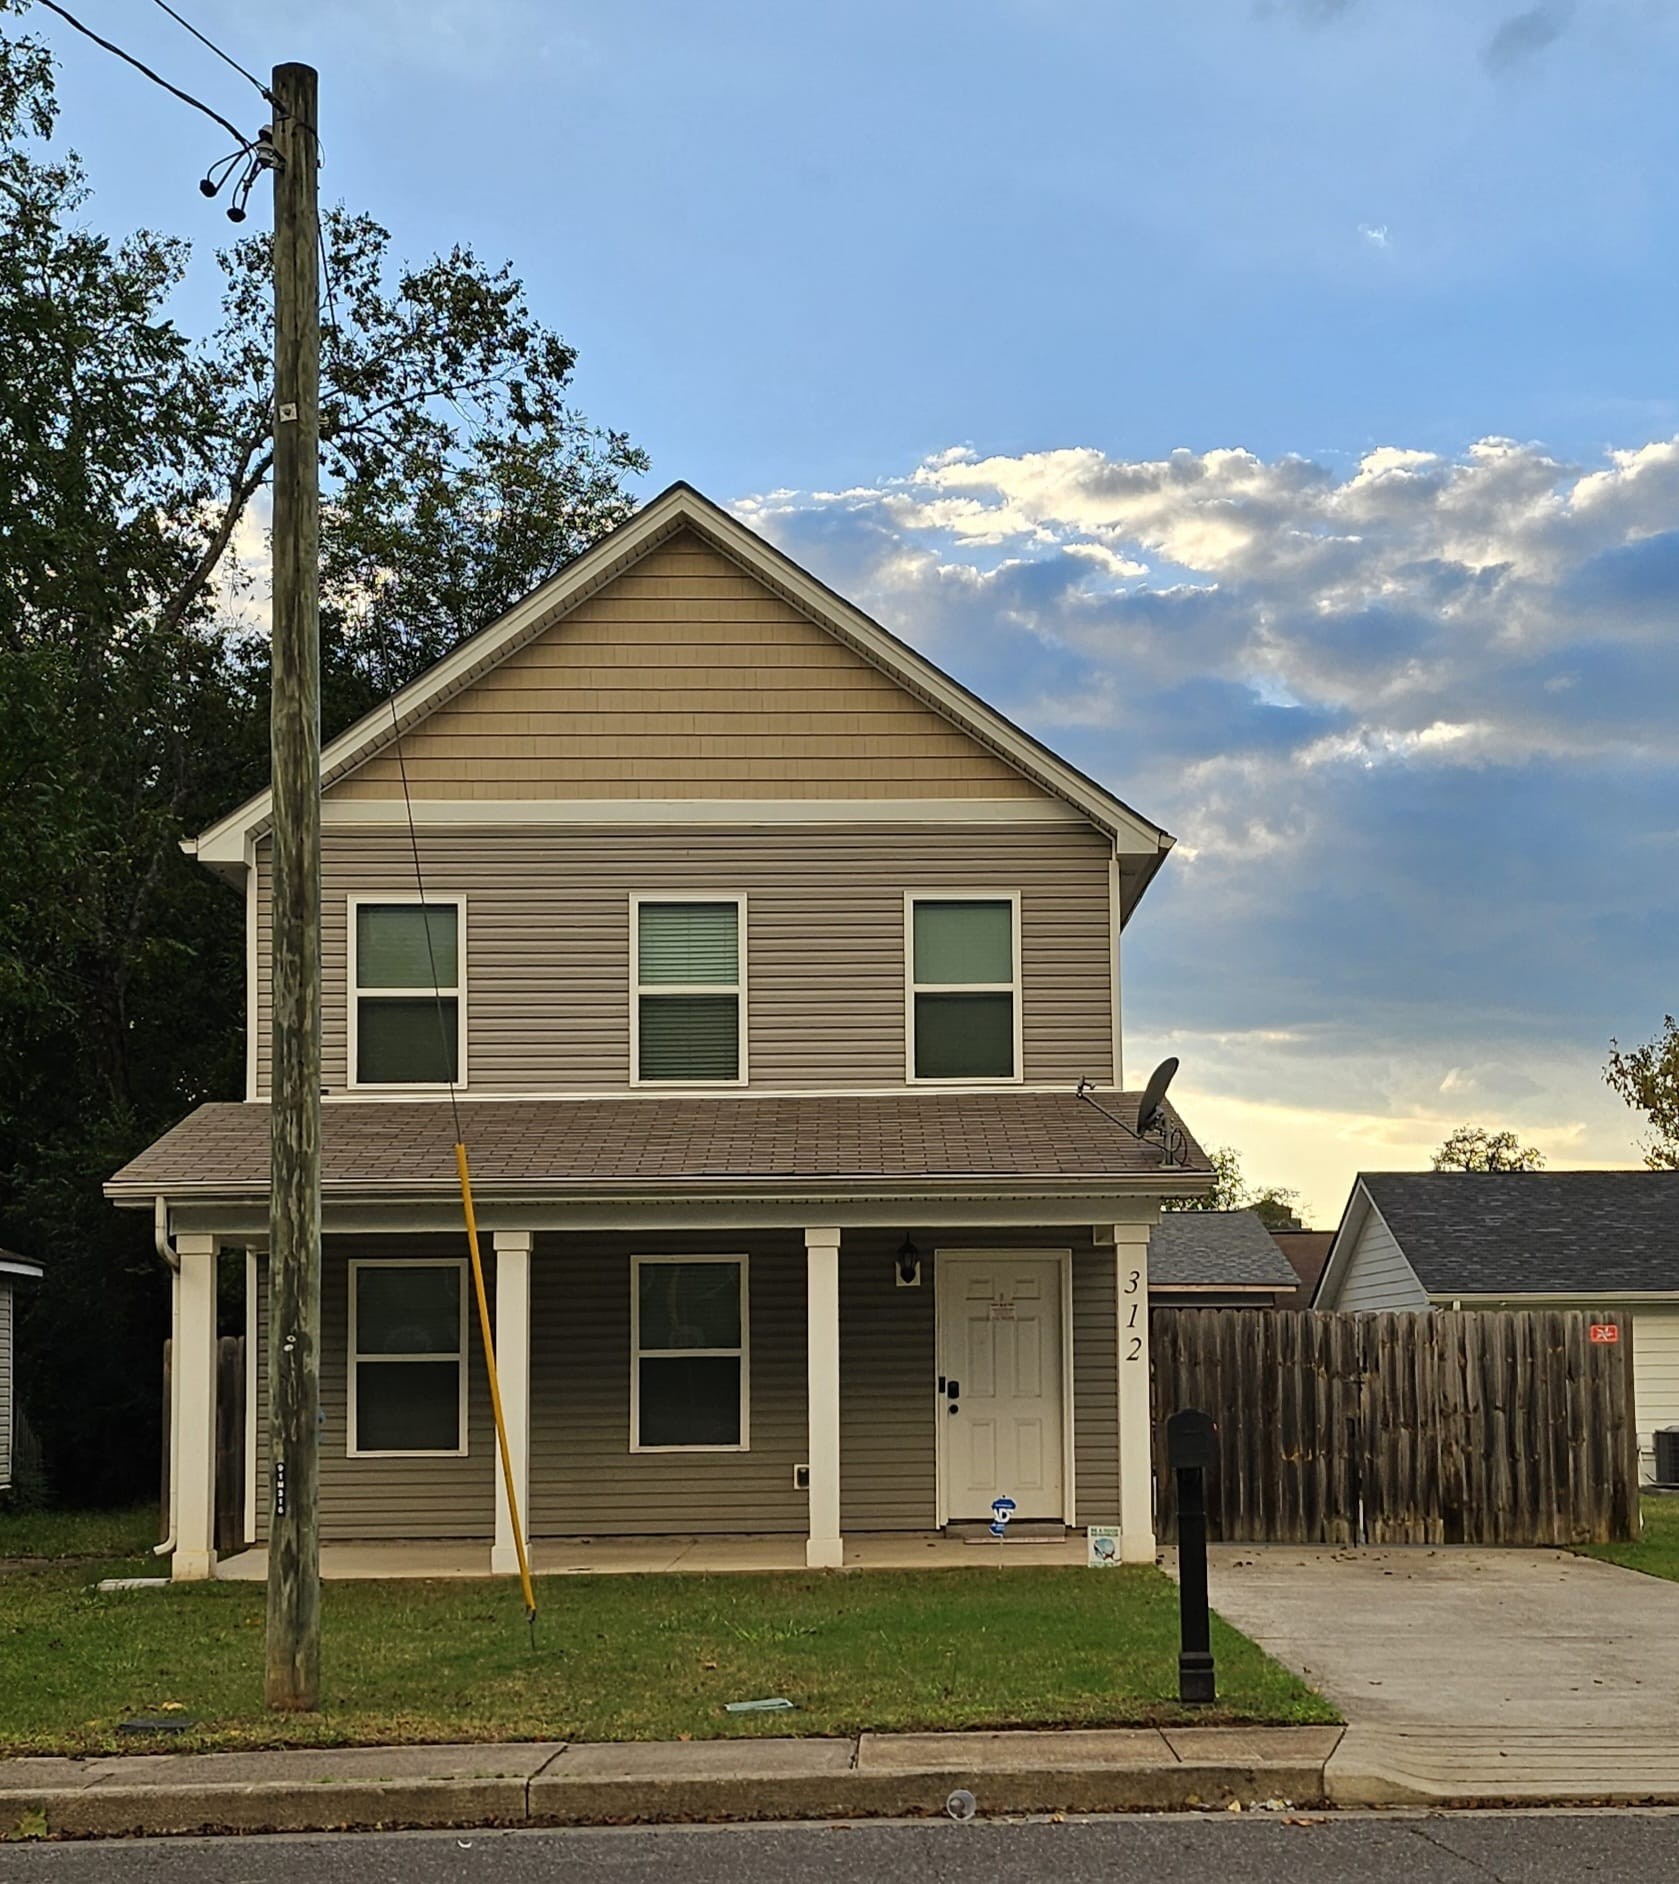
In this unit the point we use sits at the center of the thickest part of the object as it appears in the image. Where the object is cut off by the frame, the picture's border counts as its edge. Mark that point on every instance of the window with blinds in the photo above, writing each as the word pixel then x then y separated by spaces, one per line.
pixel 405 996
pixel 964 987
pixel 690 992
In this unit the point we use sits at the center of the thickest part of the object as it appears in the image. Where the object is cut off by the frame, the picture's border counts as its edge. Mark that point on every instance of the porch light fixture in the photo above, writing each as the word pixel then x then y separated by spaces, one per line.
pixel 909 1265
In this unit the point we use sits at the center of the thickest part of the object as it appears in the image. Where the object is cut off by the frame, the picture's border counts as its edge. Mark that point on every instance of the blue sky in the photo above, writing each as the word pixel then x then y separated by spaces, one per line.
pixel 1269 404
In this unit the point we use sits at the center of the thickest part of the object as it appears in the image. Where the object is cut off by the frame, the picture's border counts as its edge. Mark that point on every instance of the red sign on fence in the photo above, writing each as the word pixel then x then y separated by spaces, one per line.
pixel 1606 1332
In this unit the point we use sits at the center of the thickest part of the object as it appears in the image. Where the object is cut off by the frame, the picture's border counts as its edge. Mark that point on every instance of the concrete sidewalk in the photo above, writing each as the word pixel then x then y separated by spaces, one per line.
pixel 872 1776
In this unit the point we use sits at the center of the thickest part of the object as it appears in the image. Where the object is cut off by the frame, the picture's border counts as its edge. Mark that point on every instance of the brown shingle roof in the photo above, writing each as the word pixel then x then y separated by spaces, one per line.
pixel 1012 1138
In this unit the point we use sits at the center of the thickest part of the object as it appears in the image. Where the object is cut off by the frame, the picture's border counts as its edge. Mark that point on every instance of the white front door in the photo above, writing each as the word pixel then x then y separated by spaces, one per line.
pixel 1001 1372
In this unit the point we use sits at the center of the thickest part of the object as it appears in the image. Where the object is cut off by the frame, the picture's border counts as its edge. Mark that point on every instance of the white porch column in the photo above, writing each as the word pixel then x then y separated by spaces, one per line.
pixel 513 1367
pixel 1136 1410
pixel 254 1414
pixel 193 1415
pixel 823 1548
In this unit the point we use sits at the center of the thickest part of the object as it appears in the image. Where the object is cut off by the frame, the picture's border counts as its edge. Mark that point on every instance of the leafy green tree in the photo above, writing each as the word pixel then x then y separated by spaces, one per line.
pixel 1474 1148
pixel 1647 1078
pixel 133 697
pixel 1275 1206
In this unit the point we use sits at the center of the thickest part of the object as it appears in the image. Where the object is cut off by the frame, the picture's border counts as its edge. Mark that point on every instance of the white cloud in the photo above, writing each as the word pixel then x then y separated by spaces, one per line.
pixel 1411 721
pixel 1376 234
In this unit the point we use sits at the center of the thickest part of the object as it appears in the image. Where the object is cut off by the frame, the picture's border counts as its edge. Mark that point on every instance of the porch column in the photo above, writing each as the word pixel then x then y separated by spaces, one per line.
pixel 513 1367
pixel 1136 1410
pixel 193 1414
pixel 823 1548
pixel 255 1253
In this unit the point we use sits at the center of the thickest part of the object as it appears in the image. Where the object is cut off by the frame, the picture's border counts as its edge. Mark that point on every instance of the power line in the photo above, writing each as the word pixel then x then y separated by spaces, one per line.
pixel 128 58
pixel 225 57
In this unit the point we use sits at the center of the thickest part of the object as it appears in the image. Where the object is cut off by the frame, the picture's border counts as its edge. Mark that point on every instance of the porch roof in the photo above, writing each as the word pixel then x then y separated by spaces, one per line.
pixel 670 1145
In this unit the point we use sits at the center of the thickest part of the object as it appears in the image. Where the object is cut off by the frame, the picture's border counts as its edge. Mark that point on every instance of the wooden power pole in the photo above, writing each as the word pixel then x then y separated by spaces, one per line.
pixel 294 1225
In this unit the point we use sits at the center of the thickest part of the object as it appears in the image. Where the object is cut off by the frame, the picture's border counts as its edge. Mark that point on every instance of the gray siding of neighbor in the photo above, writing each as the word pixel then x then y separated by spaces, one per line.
pixel 6 1384
pixel 548 942
pixel 1377 1276
pixel 386 1498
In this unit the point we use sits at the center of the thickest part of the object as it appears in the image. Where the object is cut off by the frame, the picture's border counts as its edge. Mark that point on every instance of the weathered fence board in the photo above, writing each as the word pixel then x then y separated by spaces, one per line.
pixel 1440 1428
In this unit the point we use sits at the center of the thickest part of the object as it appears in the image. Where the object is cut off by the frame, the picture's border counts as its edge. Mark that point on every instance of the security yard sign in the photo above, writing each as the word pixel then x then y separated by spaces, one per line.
pixel 1102 1546
pixel 1002 1509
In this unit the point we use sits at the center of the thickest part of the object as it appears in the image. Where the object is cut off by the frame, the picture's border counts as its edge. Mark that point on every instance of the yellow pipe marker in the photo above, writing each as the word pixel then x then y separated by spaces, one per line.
pixel 495 1378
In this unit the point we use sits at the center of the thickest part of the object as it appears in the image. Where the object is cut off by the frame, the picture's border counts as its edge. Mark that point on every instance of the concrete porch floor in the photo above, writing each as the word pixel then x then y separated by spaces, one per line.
pixel 693 1556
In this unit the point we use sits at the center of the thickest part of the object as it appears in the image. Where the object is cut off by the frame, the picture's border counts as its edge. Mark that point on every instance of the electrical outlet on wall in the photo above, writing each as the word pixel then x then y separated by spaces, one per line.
pixel 801 1478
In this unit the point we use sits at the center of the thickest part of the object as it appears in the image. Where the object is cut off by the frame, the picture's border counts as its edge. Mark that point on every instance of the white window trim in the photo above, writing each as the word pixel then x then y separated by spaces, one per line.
pixel 1013 988
pixel 351 1449
pixel 637 898
pixel 744 1351
pixel 452 899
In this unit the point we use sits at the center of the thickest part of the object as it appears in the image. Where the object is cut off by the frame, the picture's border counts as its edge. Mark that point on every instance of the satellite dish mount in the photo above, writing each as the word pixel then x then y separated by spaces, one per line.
pixel 1155 1122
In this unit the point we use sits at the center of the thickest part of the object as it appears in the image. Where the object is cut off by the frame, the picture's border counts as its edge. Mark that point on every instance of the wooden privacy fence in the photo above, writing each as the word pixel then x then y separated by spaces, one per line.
pixel 230 1441
pixel 1432 1428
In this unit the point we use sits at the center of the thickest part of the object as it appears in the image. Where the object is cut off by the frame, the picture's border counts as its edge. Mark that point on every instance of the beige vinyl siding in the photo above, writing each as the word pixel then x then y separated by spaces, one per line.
pixel 7 1385
pixel 685 677
pixel 548 943
pixel 1655 1378
pixel 584 1480
pixel 583 1476
pixel 386 1498
pixel 1377 1276
pixel 1096 1385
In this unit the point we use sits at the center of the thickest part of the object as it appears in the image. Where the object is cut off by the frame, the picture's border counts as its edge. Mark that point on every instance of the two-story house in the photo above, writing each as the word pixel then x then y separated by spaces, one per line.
pixel 765 963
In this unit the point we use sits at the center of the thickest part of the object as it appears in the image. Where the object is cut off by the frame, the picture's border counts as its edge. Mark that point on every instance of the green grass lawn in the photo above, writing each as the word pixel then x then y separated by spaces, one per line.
pixel 620 1658
pixel 77 1534
pixel 1657 1552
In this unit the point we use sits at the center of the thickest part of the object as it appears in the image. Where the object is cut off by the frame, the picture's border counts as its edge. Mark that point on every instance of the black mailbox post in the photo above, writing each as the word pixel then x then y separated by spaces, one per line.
pixel 1191 1447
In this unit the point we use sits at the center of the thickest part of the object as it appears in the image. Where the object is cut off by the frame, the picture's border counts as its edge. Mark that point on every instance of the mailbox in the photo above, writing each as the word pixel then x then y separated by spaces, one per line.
pixel 1191 1441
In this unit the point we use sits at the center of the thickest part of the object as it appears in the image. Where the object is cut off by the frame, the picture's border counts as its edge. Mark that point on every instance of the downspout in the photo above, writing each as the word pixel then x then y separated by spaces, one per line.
pixel 172 1262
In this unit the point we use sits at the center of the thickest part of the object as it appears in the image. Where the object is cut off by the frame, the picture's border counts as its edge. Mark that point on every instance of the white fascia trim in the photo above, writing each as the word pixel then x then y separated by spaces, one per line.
pixel 1558 1298
pixel 1358 1206
pixel 587 813
pixel 679 508
pixel 20 1266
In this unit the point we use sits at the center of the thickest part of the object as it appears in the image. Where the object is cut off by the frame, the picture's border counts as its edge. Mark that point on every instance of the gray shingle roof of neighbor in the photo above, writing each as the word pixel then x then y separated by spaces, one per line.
pixel 1533 1232
pixel 1206 1248
pixel 553 1146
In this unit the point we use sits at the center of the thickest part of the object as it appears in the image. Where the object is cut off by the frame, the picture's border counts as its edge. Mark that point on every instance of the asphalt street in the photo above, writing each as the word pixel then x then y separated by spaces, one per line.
pixel 1304 1848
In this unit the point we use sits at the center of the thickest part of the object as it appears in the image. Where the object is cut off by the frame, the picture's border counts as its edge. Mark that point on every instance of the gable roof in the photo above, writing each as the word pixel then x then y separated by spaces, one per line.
pixel 1523 1232
pixel 1212 1248
pixel 678 508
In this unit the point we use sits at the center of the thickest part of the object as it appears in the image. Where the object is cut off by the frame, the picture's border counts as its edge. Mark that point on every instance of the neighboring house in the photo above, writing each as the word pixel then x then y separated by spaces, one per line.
pixel 1307 1252
pixel 13 1270
pixel 769 962
pixel 1523 1239
pixel 1217 1259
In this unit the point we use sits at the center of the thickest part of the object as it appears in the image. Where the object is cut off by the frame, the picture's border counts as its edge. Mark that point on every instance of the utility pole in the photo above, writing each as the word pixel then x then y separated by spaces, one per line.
pixel 293 1679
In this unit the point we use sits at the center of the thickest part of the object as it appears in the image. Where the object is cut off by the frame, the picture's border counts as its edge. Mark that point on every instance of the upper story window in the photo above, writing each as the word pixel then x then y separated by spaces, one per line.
pixel 407 1357
pixel 688 1008
pixel 406 991
pixel 964 987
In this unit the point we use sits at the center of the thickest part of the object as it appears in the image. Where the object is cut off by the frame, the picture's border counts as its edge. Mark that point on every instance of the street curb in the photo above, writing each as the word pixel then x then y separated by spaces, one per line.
pixel 709 1782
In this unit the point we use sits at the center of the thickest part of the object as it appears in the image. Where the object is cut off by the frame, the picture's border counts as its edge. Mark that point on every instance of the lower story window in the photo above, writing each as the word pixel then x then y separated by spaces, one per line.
pixel 688 1367
pixel 408 1357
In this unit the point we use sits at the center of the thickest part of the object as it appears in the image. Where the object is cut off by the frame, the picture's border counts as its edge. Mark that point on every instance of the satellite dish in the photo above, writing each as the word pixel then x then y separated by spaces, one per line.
pixel 1148 1113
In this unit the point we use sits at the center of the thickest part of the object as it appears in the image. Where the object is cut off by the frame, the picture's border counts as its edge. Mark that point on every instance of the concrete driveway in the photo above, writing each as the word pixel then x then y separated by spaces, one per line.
pixel 1463 1667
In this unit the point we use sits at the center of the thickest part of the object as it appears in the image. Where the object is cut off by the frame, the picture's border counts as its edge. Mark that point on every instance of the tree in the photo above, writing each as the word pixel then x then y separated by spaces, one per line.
pixel 1274 1206
pixel 1647 1078
pixel 133 700
pixel 1474 1148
